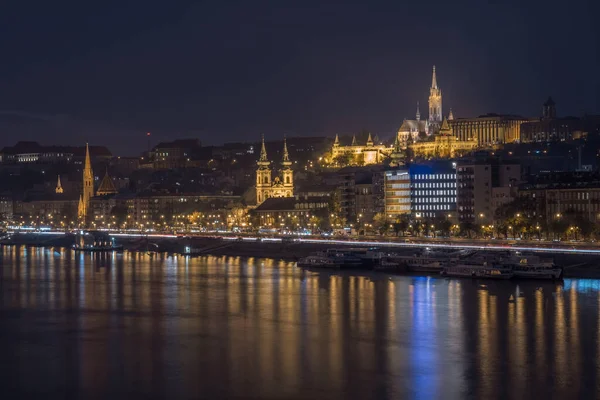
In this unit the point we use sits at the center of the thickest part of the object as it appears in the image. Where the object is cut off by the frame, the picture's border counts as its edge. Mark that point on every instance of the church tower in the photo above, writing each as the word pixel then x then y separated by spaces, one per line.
pixel 88 186
pixel 263 175
pixel 287 175
pixel 435 103
pixel 59 189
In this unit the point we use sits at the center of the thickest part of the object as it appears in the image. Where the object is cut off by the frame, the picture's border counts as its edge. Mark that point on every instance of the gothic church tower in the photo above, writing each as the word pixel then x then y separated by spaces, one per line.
pixel 88 186
pixel 263 175
pixel 435 104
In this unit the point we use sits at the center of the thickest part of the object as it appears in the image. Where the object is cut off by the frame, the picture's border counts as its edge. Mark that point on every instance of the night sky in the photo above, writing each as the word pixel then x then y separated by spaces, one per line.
pixel 229 71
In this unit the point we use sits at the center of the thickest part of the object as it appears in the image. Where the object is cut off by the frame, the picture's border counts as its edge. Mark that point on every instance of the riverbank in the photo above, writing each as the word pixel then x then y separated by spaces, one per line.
pixel 579 265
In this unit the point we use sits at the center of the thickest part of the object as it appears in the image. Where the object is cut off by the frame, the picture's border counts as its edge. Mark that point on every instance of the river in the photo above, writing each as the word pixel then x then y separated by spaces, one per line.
pixel 131 326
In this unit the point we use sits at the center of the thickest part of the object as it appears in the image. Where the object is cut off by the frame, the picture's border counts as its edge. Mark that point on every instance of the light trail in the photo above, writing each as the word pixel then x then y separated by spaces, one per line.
pixel 369 243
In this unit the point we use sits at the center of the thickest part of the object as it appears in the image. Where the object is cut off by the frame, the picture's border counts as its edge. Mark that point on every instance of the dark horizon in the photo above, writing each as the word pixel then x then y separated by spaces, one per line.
pixel 229 72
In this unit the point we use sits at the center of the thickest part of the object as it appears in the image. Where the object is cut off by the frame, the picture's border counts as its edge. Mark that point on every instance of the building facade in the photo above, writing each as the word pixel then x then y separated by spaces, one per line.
pixel 443 144
pixel 433 190
pixel 397 192
pixel 488 130
pixel 367 154
pixel 482 186
pixel 280 186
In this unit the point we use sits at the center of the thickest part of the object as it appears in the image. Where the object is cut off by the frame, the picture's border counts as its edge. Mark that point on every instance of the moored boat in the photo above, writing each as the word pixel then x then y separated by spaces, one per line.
pixel 528 266
pixel 94 241
pixel 317 260
pixel 477 271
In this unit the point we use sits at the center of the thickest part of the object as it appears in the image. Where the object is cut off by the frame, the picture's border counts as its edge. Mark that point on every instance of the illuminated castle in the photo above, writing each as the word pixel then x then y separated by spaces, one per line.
pixel 369 153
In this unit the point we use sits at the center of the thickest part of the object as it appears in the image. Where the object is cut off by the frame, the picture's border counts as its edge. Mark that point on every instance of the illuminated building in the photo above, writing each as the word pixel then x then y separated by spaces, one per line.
pixel 281 186
pixel 397 192
pixel 418 129
pixel 369 153
pixel 488 130
pixel 59 188
pixel 433 189
pixel 88 186
pixel 442 144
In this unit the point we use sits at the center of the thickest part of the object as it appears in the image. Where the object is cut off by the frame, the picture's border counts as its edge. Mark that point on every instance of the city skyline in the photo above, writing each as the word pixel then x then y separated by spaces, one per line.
pixel 226 73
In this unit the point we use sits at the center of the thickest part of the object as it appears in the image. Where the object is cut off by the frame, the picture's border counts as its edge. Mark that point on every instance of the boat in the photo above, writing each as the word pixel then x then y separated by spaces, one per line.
pixel 478 265
pixel 95 241
pixel 317 260
pixel 346 258
pixel 464 270
pixel 389 265
pixel 426 261
pixel 528 266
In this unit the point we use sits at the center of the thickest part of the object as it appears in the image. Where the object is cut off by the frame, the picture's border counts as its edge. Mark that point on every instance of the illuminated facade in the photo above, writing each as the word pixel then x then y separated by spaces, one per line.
pixel 88 186
pixel 413 130
pixel 488 130
pixel 369 153
pixel 281 186
pixel 443 144
pixel 397 192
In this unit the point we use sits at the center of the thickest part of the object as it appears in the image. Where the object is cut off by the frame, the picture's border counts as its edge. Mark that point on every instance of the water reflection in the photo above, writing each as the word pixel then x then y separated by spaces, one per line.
pixel 216 327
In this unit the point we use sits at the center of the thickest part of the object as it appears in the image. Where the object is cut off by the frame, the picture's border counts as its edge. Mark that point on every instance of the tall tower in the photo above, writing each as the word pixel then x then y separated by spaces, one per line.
pixel 435 103
pixel 59 188
pixel 418 112
pixel 88 185
pixel 263 175
pixel 287 175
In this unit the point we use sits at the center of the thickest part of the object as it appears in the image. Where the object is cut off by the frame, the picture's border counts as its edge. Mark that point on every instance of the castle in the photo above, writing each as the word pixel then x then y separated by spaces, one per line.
pixel 280 186
pixel 428 138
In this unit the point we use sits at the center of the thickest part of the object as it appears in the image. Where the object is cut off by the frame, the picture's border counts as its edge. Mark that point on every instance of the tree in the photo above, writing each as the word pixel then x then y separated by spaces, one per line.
pixel 380 223
pixel 343 159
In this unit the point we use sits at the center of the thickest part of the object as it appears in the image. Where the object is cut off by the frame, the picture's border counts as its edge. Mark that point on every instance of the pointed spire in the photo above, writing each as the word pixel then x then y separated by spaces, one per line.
pixel 418 112
pixel 450 116
pixel 353 140
pixel 434 80
pixel 369 140
pixel 336 142
pixel 88 163
pixel 445 129
pixel 286 156
pixel 263 150
pixel 59 188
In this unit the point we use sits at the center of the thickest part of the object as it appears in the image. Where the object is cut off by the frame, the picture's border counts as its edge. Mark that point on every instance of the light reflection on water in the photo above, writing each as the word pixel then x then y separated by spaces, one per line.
pixel 98 325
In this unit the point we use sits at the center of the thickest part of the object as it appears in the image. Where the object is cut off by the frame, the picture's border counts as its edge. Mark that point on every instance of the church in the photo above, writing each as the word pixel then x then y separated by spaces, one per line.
pixel 413 130
pixel 280 186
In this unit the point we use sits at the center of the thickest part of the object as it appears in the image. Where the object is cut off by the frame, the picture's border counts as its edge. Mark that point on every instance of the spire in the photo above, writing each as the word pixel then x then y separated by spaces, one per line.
pixel 353 140
pixel 369 140
pixel 434 80
pixel 88 163
pixel 445 129
pixel 59 188
pixel 418 112
pixel 450 116
pixel 336 142
pixel 286 156
pixel 397 157
pixel 263 150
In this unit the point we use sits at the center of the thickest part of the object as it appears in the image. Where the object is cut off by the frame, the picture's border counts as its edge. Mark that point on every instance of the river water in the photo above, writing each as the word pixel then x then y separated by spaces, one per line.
pixel 136 327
